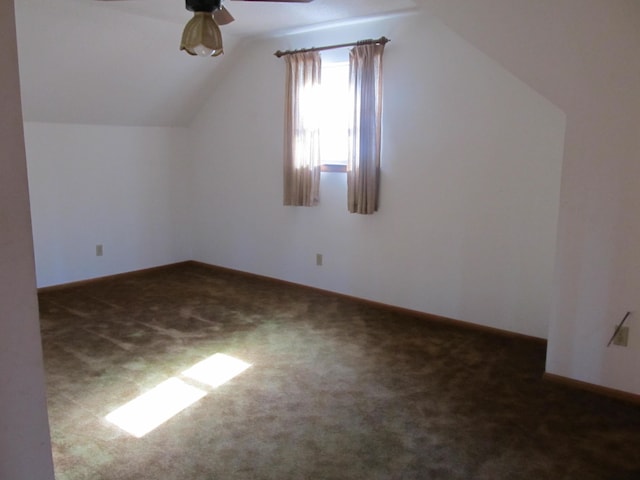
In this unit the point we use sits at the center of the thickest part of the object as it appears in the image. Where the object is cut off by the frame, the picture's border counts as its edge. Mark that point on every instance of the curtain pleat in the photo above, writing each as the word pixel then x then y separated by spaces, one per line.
pixel 363 166
pixel 302 130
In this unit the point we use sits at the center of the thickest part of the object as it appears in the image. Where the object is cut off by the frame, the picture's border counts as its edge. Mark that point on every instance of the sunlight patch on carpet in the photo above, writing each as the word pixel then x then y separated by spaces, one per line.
pixel 151 409
pixel 216 370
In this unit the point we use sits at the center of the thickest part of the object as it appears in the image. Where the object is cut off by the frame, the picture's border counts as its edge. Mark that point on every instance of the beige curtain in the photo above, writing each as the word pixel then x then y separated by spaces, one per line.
pixel 363 166
pixel 302 130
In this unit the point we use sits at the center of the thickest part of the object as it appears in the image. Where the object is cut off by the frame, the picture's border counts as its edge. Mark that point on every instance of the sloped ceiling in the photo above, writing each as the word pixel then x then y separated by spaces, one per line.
pixel 118 63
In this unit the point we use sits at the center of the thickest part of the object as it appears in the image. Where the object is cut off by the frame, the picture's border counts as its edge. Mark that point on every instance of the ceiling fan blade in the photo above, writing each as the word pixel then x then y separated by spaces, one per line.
pixel 222 16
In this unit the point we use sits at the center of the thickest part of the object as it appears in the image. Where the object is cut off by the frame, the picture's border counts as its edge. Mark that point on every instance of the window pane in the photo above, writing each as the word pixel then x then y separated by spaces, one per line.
pixel 334 128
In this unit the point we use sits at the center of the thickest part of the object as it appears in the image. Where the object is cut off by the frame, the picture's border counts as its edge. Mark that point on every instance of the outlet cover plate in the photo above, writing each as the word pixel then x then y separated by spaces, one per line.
pixel 622 337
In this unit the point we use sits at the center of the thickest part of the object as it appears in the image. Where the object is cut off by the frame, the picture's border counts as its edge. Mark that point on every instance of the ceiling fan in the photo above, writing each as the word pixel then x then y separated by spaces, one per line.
pixel 201 35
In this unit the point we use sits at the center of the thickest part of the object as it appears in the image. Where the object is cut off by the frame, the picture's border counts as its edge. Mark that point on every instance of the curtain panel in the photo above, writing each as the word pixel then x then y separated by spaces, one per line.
pixel 302 130
pixel 363 165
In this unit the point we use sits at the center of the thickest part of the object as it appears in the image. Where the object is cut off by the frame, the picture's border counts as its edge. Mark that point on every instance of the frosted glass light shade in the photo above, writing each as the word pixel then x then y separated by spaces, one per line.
pixel 201 36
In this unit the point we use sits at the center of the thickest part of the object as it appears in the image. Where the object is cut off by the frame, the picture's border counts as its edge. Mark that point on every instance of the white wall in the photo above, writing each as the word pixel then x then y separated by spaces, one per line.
pixel 583 56
pixel 122 187
pixel 25 449
pixel 470 183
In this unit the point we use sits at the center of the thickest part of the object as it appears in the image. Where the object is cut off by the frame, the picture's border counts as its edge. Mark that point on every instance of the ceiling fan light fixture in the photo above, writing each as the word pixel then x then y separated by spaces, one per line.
pixel 201 36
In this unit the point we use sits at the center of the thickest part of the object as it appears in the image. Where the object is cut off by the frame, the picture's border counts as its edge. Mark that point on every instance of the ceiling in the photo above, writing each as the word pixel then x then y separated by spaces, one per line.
pixel 118 62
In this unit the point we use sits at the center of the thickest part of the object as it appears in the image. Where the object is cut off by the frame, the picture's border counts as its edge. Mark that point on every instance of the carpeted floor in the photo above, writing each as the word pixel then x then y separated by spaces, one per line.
pixel 337 390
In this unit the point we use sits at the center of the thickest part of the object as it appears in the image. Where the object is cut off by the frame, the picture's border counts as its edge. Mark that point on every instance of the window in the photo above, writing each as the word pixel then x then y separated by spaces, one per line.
pixel 336 111
pixel 333 119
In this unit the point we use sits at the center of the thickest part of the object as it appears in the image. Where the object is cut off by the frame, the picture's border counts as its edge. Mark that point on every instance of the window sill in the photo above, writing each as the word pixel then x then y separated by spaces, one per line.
pixel 333 168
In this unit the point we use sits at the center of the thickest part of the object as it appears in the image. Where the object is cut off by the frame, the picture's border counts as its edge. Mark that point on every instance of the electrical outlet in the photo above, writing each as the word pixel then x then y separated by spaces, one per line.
pixel 319 259
pixel 622 337
pixel 98 250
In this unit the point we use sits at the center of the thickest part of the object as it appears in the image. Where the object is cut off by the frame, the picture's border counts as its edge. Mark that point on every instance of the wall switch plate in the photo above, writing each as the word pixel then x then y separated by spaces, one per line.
pixel 319 259
pixel 622 337
pixel 98 250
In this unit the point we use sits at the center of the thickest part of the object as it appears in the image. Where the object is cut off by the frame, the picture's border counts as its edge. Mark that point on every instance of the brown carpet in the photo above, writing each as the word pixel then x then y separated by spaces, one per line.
pixel 337 390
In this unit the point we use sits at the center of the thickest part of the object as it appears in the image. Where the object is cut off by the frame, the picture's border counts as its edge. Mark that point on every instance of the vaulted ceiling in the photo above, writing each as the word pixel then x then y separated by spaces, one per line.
pixel 118 62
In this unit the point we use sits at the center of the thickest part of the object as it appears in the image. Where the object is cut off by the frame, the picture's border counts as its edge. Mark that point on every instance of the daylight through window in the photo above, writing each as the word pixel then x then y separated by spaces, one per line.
pixel 335 113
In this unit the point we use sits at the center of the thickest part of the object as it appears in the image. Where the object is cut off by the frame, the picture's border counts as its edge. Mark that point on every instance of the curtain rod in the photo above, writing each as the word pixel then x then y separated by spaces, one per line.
pixel 381 40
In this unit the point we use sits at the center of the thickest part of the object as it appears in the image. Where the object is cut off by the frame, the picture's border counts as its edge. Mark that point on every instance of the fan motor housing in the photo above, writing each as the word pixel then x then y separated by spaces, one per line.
pixel 202 5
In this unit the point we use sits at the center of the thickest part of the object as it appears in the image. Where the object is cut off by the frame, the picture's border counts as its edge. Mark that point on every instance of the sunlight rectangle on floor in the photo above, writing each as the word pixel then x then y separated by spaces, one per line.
pixel 216 369
pixel 151 409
